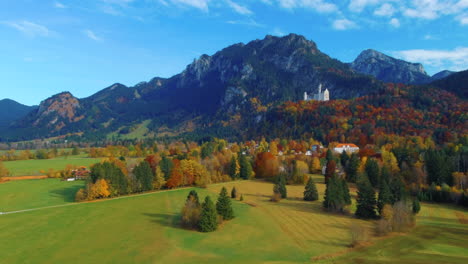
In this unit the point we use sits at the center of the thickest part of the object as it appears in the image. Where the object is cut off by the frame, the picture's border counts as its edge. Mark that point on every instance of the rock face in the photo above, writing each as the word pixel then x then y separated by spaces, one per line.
pixel 388 69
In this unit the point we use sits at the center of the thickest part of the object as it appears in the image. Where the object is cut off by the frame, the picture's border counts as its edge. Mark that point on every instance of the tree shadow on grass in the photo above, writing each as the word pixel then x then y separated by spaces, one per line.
pixel 167 220
pixel 68 193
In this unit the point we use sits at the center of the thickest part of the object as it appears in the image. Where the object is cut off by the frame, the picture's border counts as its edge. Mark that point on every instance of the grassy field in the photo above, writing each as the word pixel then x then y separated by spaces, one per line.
pixel 19 195
pixel 145 229
pixel 33 167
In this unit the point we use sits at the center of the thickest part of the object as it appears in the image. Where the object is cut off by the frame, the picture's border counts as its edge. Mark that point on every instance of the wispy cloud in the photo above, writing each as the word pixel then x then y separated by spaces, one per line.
pixel 29 28
pixel 359 5
pixel 385 10
pixel 456 59
pixel 321 6
pixel 343 24
pixel 247 22
pixel 90 34
pixel 239 8
pixel 199 4
pixel 59 5
pixel 278 32
pixel 394 22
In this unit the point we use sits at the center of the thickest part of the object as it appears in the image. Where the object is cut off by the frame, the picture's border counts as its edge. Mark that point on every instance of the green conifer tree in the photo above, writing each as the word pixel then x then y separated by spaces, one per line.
pixel 344 158
pixel 245 167
pixel 416 206
pixel 366 203
pixel 310 193
pixel 233 168
pixel 352 168
pixel 372 170
pixel 223 206
pixel 333 200
pixel 385 196
pixel 234 193
pixel 345 192
pixel 208 217
pixel 281 182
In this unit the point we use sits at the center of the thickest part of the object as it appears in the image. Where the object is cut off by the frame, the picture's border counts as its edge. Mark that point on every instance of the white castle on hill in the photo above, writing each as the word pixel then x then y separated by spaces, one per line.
pixel 320 96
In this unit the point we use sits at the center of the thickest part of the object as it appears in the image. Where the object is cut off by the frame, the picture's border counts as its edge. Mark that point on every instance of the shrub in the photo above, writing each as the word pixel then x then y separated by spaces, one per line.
pixel 81 195
pixel 234 193
pixel 191 212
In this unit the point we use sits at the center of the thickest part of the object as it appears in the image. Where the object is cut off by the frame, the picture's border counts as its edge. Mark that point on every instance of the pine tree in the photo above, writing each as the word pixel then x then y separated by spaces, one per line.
pixel 366 203
pixel 416 206
pixel 330 156
pixel 223 206
pixel 344 158
pixel 372 170
pixel 234 193
pixel 310 193
pixel 241 198
pixel 352 168
pixel 208 217
pixel 385 196
pixel 145 175
pixel 333 200
pixel 345 192
pixel 245 167
pixel 330 170
pixel 397 188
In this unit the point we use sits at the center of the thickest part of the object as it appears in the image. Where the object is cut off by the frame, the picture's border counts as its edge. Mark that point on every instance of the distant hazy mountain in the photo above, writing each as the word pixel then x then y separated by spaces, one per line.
pixel 456 83
pixel 388 69
pixel 441 75
pixel 11 111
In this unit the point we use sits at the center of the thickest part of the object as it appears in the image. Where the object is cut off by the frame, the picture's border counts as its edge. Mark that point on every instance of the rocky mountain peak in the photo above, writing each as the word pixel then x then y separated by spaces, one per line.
pixel 63 105
pixel 389 69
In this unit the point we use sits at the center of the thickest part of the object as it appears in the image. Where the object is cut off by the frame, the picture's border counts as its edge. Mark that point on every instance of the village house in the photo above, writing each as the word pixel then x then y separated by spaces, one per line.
pixel 348 147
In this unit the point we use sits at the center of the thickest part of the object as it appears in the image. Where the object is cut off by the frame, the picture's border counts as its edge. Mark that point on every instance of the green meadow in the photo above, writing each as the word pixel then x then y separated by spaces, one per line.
pixel 34 167
pixel 145 229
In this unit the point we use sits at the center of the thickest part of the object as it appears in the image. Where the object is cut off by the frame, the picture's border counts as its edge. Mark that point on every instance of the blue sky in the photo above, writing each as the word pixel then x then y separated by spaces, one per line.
pixel 84 46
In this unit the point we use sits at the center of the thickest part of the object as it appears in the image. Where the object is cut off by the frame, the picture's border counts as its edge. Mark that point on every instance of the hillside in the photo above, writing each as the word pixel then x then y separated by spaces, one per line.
pixel 272 70
pixel 11 110
pixel 456 83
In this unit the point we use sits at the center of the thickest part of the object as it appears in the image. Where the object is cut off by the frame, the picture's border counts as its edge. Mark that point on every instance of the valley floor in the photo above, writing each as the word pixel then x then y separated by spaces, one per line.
pixel 144 229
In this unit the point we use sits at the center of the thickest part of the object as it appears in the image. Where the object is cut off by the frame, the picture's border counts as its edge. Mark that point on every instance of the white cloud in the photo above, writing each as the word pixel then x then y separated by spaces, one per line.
pixel 321 6
pixel 456 59
pixel 385 10
pixel 29 28
pixel 394 22
pixel 278 32
pixel 90 34
pixel 343 24
pixel 432 9
pixel 59 5
pixel 239 8
pixel 200 4
pixel 359 5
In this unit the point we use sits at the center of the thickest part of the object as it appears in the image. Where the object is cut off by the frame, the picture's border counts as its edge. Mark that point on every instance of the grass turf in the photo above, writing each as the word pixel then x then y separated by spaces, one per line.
pixel 145 229
pixel 34 167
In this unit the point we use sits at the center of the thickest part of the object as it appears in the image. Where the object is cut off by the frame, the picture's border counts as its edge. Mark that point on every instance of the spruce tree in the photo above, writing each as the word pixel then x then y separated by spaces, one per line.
pixel 208 217
pixel 310 193
pixel 397 188
pixel 345 192
pixel 234 193
pixel 241 198
pixel 145 175
pixel 245 167
pixel 223 206
pixel 333 200
pixel 366 203
pixel 344 158
pixel 352 168
pixel 372 170
pixel 385 196
pixel 330 156
pixel 416 206
pixel 281 182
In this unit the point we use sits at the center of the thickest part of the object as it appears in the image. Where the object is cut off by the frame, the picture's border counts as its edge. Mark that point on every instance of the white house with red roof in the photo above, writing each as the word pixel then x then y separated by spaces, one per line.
pixel 348 147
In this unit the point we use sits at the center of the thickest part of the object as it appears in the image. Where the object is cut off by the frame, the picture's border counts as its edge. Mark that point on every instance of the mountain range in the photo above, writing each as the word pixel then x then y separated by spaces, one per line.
pixel 213 89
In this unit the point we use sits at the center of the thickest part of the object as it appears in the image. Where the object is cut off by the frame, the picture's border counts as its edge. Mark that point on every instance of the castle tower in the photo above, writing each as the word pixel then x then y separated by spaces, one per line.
pixel 320 89
pixel 326 95
pixel 305 96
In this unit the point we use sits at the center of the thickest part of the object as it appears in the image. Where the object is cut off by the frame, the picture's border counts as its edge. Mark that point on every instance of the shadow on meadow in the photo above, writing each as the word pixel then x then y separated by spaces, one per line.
pixel 167 220
pixel 67 193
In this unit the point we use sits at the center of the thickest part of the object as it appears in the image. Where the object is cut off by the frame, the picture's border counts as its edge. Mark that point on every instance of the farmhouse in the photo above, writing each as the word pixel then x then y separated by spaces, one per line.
pixel 348 147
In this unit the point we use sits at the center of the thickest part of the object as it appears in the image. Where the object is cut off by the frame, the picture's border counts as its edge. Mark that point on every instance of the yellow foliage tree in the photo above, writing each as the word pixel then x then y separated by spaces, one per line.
pixel 159 180
pixel 3 171
pixel 316 167
pixel 274 148
pixel 100 189
pixel 390 161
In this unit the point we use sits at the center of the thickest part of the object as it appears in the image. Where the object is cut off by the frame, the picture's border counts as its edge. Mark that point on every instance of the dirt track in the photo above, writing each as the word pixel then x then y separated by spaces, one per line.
pixel 19 178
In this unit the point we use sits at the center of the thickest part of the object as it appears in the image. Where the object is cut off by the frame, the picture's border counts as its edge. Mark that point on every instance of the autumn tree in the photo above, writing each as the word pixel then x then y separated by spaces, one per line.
pixel 112 173
pixel 366 202
pixel 224 206
pixel 266 165
pixel 372 171
pixel 330 170
pixel 191 211
pixel 158 181
pixel 166 166
pixel 3 171
pixel 316 166
pixel 176 178
pixel 234 168
pixel 310 193
pixel 208 218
